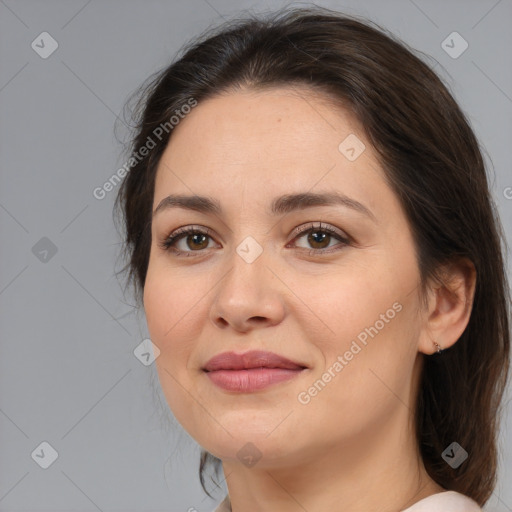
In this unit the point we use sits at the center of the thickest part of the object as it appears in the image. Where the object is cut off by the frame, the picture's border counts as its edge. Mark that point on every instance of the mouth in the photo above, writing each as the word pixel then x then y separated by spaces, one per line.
pixel 250 371
pixel 251 360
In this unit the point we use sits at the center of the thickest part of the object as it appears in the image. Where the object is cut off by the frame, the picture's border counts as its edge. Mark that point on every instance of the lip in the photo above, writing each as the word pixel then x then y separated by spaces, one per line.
pixel 251 359
pixel 250 371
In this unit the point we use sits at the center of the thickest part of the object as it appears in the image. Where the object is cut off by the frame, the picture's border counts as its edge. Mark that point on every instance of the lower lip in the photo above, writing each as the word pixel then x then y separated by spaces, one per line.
pixel 252 379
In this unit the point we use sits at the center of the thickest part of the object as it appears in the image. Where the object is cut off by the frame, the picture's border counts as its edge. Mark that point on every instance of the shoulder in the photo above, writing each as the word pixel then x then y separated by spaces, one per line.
pixel 447 501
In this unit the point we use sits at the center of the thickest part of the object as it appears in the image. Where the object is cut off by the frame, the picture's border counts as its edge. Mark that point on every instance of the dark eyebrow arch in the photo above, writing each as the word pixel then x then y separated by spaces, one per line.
pixel 280 205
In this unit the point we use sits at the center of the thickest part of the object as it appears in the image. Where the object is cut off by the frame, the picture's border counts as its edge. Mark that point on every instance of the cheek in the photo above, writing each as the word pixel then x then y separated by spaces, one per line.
pixel 367 316
pixel 171 308
pixel 347 302
pixel 171 304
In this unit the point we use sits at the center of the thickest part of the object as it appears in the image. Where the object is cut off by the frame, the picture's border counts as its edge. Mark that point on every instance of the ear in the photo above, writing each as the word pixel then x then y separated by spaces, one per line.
pixel 449 306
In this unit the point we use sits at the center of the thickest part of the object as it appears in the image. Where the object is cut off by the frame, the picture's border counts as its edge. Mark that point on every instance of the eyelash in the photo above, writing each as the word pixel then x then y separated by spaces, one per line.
pixel 167 243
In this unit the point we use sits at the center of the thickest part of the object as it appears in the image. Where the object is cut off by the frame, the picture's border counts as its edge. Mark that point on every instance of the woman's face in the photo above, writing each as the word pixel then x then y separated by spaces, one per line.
pixel 344 305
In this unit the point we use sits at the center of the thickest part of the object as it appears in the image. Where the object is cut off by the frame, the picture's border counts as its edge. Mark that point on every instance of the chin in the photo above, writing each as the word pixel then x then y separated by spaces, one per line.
pixel 263 451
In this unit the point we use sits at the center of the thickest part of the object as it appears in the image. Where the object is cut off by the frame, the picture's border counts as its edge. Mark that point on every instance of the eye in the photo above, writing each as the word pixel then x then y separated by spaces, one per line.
pixel 196 239
pixel 320 236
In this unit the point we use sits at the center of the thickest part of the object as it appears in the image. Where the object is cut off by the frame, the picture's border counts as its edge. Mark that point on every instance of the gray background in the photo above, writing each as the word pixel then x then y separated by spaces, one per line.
pixel 68 374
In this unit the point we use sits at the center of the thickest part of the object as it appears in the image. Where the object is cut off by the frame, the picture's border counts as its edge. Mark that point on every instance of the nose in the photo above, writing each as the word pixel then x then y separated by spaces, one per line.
pixel 249 296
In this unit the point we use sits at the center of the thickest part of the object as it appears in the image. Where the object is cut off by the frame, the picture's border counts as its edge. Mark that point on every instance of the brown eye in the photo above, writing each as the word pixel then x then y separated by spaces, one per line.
pixel 197 241
pixel 194 240
pixel 319 238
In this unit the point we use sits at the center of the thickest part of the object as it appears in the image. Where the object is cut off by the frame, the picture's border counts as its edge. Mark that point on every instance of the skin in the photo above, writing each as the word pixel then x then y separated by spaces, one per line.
pixel 352 447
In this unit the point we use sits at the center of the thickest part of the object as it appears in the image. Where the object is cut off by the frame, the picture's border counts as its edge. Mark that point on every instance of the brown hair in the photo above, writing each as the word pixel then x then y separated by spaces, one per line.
pixel 433 163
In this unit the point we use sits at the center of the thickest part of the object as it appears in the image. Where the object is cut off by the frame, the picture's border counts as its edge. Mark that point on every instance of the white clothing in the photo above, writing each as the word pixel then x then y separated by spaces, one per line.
pixel 446 501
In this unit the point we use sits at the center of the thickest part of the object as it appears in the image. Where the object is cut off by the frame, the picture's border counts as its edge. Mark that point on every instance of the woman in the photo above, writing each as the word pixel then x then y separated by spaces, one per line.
pixel 310 231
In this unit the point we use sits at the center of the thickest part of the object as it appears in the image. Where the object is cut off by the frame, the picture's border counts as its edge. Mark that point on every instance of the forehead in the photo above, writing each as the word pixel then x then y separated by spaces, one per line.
pixel 278 119
pixel 276 140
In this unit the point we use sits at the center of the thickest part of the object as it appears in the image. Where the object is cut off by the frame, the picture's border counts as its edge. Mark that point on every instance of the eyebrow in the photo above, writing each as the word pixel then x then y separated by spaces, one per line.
pixel 279 206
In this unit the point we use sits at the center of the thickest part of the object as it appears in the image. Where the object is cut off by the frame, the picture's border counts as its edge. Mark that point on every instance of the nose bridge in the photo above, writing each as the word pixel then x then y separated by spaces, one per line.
pixel 248 268
pixel 248 289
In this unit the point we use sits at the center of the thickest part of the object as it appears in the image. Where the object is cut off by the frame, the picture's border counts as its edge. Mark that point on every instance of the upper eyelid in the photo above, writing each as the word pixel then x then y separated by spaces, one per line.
pixel 321 226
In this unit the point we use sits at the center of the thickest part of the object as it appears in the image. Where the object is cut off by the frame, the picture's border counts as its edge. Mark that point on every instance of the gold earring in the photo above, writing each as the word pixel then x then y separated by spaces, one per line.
pixel 438 347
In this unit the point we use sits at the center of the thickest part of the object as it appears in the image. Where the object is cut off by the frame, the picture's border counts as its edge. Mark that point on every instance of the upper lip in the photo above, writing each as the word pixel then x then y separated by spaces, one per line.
pixel 251 359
